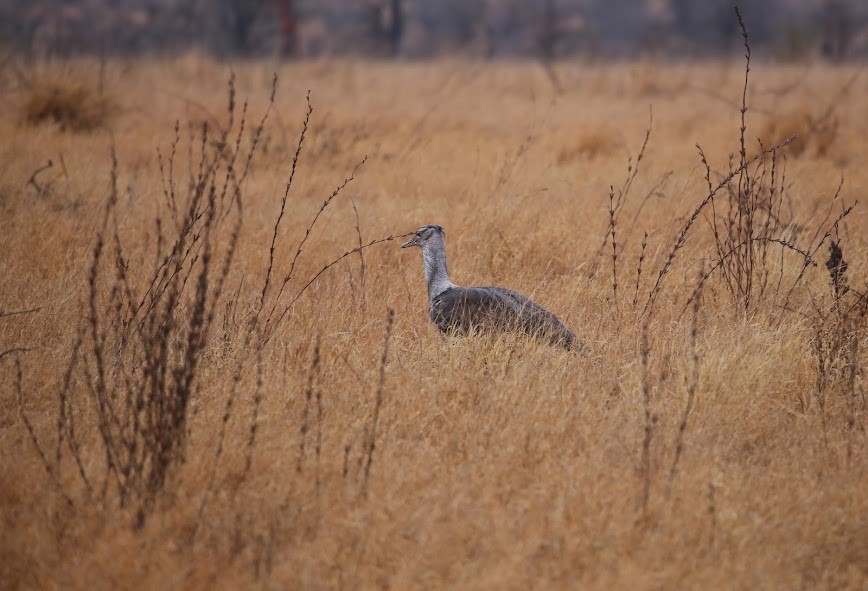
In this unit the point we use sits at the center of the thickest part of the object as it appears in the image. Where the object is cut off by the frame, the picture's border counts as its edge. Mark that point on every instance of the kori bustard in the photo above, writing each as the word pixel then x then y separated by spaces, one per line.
pixel 463 310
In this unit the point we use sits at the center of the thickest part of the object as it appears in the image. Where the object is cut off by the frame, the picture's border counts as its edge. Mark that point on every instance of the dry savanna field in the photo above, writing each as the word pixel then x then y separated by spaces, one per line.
pixel 199 390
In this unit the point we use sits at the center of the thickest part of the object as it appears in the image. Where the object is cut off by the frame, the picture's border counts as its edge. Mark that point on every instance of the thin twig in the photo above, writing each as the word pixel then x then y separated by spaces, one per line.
pixel 378 401
pixel 41 189
pixel 283 203
pixel 19 312
pixel 612 228
pixel 14 350
pixel 48 469
pixel 806 264
pixel 645 464
pixel 809 261
pixel 362 300
pixel 323 270
pixel 692 385
pixel 313 374
pixel 639 268
pixel 307 232
pixel 682 234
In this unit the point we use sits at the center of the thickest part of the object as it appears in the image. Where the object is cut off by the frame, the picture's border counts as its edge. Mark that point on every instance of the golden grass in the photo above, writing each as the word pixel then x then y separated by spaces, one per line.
pixel 72 105
pixel 498 463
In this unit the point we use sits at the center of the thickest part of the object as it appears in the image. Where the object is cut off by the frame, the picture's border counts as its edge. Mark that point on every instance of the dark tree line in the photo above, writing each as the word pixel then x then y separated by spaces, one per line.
pixel 549 29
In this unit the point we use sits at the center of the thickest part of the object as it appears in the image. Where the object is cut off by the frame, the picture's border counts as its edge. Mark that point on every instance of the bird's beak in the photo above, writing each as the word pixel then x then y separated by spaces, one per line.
pixel 411 242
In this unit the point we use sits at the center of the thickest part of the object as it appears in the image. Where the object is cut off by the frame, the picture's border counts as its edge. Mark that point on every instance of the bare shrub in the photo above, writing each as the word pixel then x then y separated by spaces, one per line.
pixel 73 106
pixel 589 146
pixel 839 326
pixel 750 223
pixel 820 130
pixel 142 338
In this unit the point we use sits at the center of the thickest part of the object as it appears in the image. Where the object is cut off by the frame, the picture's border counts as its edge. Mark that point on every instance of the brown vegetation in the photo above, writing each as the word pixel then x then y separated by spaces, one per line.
pixel 217 368
pixel 72 106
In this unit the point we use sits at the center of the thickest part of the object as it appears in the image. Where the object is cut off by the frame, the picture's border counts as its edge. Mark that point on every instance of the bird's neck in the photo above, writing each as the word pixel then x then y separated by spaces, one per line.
pixel 436 274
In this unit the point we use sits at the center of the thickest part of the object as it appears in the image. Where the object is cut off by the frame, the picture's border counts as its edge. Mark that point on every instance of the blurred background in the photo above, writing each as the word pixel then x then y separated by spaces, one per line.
pixel 836 30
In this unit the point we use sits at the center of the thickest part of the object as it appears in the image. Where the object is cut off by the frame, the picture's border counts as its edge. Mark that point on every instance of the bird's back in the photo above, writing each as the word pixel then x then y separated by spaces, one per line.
pixel 465 310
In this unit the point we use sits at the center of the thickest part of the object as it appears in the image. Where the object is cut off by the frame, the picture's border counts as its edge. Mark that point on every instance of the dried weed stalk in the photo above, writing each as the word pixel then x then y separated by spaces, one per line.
pixel 691 385
pixel 650 420
pixel 838 329
pixel 750 223
pixel 312 378
pixel 142 342
pixel 378 402
pixel 617 200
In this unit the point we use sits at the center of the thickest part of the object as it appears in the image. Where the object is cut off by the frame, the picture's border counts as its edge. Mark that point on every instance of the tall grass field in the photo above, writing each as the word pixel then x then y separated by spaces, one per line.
pixel 217 369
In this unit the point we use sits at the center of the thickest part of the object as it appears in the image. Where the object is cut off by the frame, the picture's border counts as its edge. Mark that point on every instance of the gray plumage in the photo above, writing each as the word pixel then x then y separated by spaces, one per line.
pixel 463 310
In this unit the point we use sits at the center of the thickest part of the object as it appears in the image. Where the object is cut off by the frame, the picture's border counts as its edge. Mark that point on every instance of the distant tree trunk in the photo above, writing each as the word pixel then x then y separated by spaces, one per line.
pixel 386 22
pixel 709 26
pixel 486 32
pixel 547 40
pixel 238 17
pixel 837 29
pixel 548 34
pixel 288 27
pixel 396 26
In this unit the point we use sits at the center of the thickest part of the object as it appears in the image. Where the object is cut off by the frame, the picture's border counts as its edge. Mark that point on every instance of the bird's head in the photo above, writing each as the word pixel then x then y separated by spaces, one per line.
pixel 423 235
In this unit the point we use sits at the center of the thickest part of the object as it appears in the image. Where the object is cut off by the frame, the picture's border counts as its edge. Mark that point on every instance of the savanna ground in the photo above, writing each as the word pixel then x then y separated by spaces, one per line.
pixel 710 442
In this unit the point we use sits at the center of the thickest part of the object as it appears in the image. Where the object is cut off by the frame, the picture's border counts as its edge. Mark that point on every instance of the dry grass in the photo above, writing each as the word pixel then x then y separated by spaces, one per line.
pixel 72 105
pixel 721 447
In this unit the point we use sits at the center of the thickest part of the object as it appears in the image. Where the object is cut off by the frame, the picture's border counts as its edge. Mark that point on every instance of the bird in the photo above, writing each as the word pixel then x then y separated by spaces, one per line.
pixel 466 310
